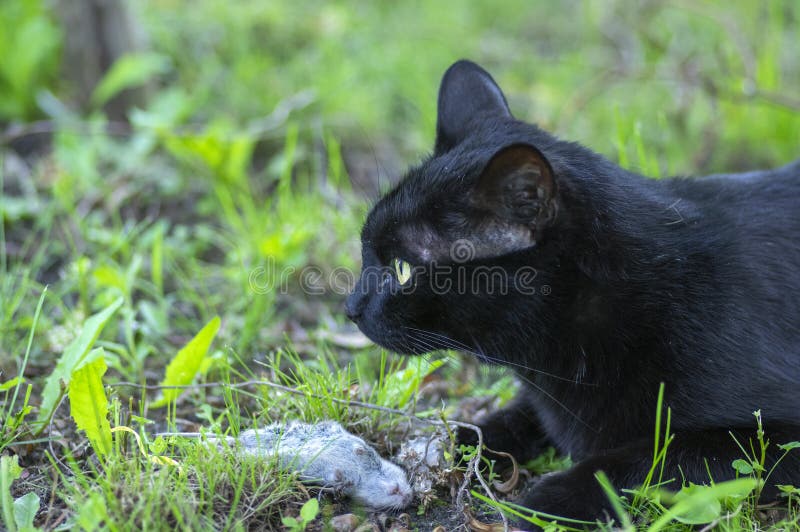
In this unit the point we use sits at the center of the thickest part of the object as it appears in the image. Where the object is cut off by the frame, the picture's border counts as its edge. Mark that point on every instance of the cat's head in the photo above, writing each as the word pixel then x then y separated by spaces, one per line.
pixel 451 251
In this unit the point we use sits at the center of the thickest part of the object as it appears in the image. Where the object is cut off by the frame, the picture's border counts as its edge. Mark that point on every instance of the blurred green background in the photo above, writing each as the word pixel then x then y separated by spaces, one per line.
pixel 207 157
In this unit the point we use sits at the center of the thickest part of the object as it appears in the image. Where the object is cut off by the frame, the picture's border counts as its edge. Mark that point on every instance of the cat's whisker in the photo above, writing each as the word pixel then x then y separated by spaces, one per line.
pixel 430 347
pixel 414 333
pixel 534 370
pixel 559 403
pixel 417 344
pixel 432 343
pixel 426 345
pixel 418 341
pixel 449 343
pixel 443 341
pixel 547 394
pixel 412 345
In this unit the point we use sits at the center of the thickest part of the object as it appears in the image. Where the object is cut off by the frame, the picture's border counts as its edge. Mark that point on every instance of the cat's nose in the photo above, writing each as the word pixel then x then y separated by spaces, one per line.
pixel 354 306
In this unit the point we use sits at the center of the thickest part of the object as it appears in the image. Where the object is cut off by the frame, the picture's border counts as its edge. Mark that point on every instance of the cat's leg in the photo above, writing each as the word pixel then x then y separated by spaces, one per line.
pixel 515 430
pixel 575 493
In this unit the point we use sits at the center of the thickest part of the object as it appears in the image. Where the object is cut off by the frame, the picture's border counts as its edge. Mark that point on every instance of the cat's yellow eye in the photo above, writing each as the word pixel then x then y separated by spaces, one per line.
pixel 403 270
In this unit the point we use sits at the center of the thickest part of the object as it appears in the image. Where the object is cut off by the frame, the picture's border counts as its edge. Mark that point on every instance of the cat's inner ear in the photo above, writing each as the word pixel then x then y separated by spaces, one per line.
pixel 467 93
pixel 517 186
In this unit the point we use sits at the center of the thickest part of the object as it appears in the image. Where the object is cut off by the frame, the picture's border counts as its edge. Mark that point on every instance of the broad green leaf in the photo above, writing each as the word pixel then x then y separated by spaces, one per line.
pixel 89 405
pixel 309 510
pixel 694 505
pixel 25 509
pixel 291 523
pixel 401 385
pixel 9 472
pixel 789 446
pixel 10 384
pixel 742 466
pixel 697 509
pixel 74 357
pixel 128 71
pixel 788 489
pixel 183 368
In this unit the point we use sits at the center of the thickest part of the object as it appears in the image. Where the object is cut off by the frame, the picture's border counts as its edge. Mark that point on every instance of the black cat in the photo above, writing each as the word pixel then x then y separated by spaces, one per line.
pixel 596 285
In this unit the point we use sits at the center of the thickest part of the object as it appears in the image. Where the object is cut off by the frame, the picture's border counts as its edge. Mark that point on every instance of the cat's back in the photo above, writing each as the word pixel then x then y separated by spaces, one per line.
pixel 748 190
pixel 760 208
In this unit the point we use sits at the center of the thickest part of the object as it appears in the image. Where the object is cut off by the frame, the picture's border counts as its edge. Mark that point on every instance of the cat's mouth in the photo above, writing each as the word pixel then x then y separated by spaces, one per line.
pixel 397 343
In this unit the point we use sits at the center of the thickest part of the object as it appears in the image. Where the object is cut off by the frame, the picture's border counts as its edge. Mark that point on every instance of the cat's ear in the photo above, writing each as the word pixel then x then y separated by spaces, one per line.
pixel 467 91
pixel 517 186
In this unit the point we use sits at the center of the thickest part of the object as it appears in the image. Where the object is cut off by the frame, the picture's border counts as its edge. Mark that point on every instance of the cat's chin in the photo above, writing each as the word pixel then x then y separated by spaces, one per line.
pixel 399 345
pixel 389 339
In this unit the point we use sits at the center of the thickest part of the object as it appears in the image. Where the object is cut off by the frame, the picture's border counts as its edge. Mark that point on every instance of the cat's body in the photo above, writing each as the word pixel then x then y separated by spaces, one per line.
pixel 691 282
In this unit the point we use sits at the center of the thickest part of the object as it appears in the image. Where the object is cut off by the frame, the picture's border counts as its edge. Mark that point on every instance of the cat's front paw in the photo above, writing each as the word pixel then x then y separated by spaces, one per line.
pixel 564 495
pixel 505 432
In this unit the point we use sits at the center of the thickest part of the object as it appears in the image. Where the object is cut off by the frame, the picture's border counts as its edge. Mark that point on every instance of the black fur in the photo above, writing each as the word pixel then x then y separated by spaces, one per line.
pixel 691 282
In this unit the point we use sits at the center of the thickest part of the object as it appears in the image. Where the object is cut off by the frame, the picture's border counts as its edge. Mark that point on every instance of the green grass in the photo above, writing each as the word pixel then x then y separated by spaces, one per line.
pixel 248 172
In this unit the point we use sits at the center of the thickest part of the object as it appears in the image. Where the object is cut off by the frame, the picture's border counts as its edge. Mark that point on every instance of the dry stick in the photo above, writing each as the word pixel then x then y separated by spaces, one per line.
pixel 472 467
